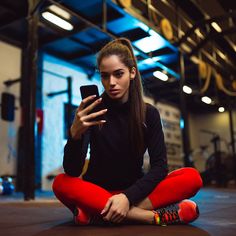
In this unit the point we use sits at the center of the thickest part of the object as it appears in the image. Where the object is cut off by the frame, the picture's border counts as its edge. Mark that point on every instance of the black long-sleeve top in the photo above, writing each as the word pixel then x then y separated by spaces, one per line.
pixel 112 164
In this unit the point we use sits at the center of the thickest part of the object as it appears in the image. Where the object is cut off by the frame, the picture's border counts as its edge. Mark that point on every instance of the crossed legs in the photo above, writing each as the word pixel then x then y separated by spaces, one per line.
pixel 178 185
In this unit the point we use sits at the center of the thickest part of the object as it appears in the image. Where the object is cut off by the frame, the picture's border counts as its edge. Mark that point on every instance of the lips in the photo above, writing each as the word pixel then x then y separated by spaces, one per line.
pixel 113 91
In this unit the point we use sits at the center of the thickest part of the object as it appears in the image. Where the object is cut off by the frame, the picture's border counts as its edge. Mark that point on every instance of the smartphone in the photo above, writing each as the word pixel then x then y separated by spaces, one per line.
pixel 88 90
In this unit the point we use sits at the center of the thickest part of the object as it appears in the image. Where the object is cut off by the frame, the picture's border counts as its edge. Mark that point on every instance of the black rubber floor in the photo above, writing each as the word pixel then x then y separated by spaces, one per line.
pixel 49 217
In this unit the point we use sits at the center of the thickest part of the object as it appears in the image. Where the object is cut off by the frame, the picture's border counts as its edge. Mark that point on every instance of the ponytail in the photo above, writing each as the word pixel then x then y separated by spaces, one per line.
pixel 123 49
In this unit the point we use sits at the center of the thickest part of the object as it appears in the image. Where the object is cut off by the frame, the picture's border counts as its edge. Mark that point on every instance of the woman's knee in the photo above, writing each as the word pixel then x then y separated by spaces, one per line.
pixel 194 177
pixel 57 182
pixel 64 183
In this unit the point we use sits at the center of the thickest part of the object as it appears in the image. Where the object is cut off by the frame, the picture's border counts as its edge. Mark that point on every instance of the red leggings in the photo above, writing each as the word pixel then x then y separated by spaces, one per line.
pixel 75 192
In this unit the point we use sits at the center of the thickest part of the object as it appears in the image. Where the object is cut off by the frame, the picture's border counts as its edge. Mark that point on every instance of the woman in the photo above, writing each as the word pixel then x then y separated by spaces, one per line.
pixel 114 188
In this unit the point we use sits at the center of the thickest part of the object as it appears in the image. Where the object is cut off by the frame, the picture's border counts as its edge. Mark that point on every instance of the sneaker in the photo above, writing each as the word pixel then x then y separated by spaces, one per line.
pixel 185 212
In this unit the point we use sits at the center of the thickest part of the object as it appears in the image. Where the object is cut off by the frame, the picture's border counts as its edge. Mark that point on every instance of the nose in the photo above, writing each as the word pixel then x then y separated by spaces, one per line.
pixel 112 80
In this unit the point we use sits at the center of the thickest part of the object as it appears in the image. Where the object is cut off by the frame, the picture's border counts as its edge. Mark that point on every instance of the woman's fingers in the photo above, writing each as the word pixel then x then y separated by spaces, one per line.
pixel 94 115
pixel 85 101
pixel 114 216
pixel 107 207
pixel 89 108
pixel 117 218
pixel 92 123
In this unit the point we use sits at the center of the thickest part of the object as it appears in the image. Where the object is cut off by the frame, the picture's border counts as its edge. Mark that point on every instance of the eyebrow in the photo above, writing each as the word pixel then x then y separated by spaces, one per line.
pixel 118 70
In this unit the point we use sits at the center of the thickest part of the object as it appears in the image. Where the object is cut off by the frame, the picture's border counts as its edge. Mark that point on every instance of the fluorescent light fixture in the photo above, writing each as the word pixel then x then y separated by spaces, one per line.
pixel 186 47
pixel 59 11
pixel 206 100
pixel 194 59
pixel 221 109
pixel 198 33
pixel 160 75
pixel 150 43
pixel 136 53
pixel 189 39
pixel 57 20
pixel 150 61
pixel 216 27
pixel 187 89
pixel 143 26
pixel 222 55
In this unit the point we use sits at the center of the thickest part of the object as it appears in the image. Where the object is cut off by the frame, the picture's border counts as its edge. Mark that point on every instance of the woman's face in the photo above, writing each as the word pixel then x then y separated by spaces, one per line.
pixel 116 78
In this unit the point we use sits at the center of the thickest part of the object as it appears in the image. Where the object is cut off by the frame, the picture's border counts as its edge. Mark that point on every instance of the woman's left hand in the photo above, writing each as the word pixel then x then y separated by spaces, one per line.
pixel 116 208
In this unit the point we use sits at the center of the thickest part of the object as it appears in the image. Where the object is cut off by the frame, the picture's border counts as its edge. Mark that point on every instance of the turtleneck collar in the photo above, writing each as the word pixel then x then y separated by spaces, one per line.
pixel 114 104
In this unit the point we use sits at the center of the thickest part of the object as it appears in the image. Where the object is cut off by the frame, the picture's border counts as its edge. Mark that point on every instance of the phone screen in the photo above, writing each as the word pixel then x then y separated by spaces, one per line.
pixel 88 90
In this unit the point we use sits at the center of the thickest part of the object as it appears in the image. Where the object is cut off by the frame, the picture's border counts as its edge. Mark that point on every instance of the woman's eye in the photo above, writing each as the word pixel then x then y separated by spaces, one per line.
pixel 104 76
pixel 118 74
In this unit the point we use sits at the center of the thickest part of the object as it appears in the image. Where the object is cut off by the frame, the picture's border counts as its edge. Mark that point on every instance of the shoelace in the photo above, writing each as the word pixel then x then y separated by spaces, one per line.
pixel 169 214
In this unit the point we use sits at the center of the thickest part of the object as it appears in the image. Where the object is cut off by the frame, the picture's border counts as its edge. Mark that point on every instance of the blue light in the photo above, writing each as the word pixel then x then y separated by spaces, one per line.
pixel 143 26
pixel 181 123
pixel 148 61
pixel 136 53
pixel 151 60
pixel 151 43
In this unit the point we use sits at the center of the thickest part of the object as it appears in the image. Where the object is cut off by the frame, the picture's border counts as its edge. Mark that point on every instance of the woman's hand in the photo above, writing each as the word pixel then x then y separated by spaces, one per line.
pixel 116 208
pixel 83 120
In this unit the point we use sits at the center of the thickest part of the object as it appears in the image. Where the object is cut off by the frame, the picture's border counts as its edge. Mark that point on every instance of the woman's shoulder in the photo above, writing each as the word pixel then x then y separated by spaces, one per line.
pixel 152 113
pixel 151 108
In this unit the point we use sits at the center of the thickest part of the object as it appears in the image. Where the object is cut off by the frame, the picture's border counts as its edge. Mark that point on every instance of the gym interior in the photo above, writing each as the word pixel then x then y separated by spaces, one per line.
pixel 186 54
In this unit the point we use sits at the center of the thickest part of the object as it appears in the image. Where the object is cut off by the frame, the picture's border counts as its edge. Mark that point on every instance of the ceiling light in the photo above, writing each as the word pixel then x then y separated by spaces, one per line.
pixel 186 47
pixel 189 39
pixel 143 26
pixel 150 61
pixel 187 89
pixel 194 59
pixel 136 53
pixel 57 20
pixel 221 109
pixel 222 55
pixel 151 43
pixel 216 27
pixel 160 75
pixel 206 100
pixel 59 11
pixel 198 33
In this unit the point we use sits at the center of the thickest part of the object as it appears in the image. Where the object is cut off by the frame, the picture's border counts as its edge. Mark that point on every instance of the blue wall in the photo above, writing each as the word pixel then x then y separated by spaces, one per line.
pixel 53 130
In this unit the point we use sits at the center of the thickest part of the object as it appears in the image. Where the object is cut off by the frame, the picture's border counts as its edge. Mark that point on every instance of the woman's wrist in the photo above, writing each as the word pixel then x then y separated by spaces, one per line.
pixel 74 134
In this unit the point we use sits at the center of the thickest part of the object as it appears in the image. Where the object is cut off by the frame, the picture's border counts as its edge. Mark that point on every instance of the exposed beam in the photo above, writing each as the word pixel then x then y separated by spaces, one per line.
pixel 212 36
pixel 202 23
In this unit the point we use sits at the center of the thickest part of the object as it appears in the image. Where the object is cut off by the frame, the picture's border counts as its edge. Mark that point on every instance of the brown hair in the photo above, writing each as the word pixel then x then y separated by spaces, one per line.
pixel 123 49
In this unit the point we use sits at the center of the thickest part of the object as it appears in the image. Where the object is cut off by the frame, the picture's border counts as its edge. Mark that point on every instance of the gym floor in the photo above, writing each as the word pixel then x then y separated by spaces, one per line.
pixel 46 216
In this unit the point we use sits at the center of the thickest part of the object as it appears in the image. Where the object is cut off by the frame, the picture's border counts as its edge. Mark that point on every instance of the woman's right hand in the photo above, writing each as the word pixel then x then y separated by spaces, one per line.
pixel 83 120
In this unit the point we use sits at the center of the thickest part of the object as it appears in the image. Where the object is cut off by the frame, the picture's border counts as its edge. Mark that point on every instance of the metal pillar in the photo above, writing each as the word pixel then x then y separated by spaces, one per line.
pixel 38 135
pixel 232 131
pixel 69 113
pixel 28 103
pixel 183 108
